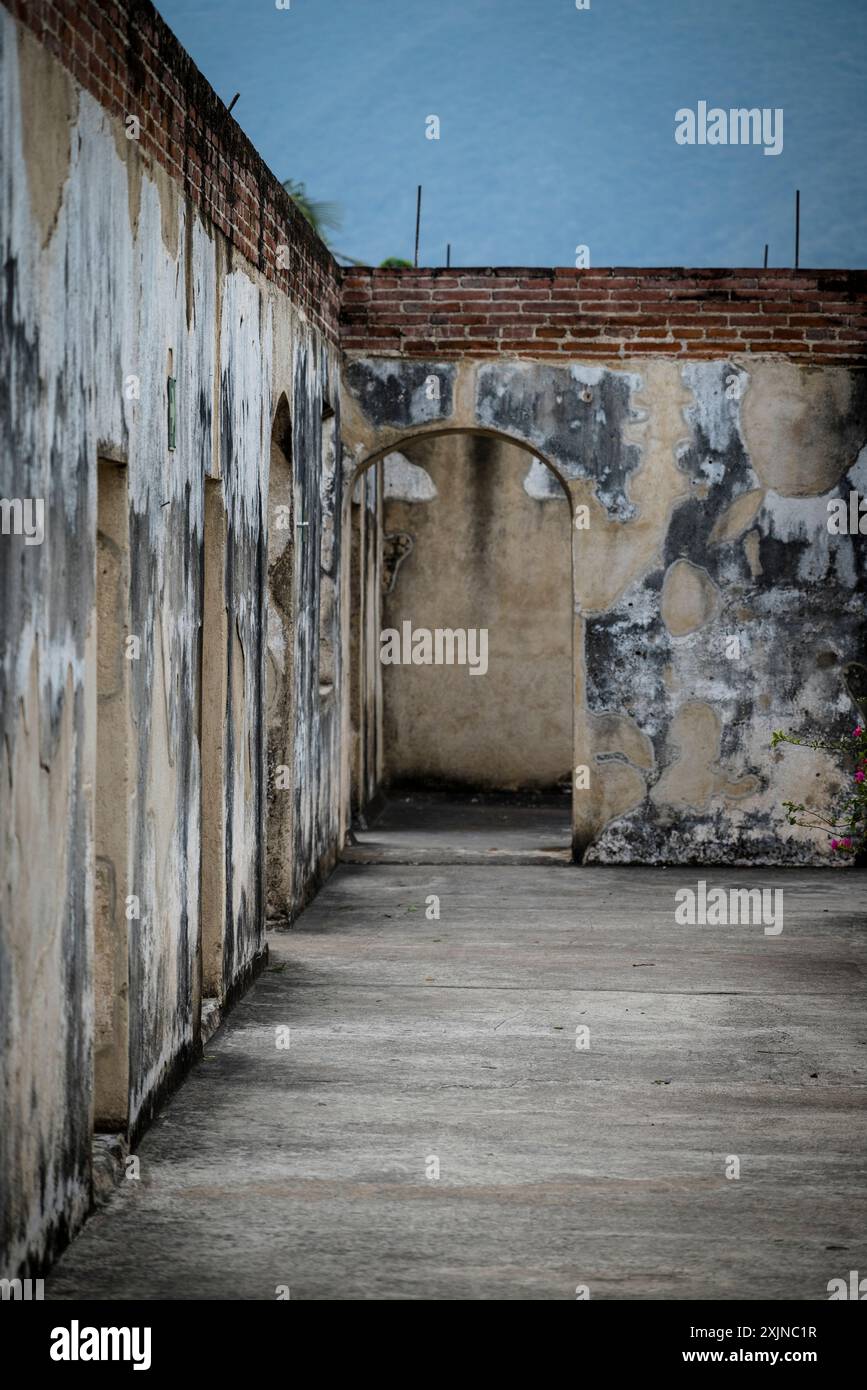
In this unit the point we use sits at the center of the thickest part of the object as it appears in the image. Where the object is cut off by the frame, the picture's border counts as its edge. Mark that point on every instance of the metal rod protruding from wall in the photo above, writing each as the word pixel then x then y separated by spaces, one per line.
pixel 797 228
pixel 417 225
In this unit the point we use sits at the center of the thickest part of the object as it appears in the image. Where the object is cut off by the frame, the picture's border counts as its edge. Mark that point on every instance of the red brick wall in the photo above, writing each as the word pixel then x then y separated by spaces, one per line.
pixel 811 316
pixel 130 61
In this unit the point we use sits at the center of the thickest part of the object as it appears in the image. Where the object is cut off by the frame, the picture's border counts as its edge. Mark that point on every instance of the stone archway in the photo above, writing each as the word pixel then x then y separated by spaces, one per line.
pixel 583 423
pixel 365 514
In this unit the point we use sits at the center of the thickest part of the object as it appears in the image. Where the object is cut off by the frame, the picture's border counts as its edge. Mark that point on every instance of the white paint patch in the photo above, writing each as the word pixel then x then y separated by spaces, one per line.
pixel 858 472
pixel 714 410
pixel 541 484
pixel 103 302
pixel 407 482
pixel 806 519
pixel 587 376
pixel 714 471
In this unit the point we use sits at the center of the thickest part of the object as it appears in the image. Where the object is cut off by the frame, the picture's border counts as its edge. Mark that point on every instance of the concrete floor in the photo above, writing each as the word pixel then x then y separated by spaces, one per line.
pixel 413 1038
pixel 419 827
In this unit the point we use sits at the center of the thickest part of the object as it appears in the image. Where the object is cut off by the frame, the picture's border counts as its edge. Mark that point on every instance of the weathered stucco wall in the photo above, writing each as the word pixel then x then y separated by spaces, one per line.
pixel 478 536
pixel 700 422
pixel 113 283
pixel 363 580
pixel 711 604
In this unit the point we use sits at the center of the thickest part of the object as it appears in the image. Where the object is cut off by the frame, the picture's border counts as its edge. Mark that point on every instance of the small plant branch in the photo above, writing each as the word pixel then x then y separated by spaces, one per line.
pixel 846 823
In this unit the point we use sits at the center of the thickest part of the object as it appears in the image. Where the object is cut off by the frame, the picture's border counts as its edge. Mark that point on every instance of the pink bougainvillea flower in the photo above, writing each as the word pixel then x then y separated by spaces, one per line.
pixel 858 731
pixel 859 776
pixel 846 842
pixel 835 844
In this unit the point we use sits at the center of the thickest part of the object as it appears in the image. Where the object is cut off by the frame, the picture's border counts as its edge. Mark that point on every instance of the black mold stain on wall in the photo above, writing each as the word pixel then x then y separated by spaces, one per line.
pixel 47 609
pixel 576 418
pixel 397 393
pixel 316 763
pixel 42 615
pixel 793 629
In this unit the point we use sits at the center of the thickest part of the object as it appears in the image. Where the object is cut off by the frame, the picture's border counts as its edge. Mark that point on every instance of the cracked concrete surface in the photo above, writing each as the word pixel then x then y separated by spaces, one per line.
pixel 456 1038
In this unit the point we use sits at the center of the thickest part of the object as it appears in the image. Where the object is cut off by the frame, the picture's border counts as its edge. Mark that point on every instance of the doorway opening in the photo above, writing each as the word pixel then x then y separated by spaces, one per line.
pixel 212 738
pixel 112 800
pixel 462 688
pixel 327 557
pixel 279 669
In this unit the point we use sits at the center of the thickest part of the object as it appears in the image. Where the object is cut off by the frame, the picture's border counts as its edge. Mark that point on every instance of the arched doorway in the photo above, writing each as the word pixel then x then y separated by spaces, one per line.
pixel 459 638
pixel 279 667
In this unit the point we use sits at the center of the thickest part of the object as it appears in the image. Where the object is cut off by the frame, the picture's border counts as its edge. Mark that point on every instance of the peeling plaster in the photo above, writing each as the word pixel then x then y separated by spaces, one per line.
pixel 108 277
pixel 737 518
pixel 401 393
pixel 706 485
pixel 576 416
pixel 690 544
pixel 405 481
pixel 693 773
pixel 540 483
pixel 690 599
pixel 803 427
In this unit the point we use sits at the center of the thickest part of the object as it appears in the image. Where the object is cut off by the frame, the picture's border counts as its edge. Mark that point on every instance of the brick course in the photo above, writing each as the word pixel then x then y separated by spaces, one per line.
pixel 125 55
pixel 806 316
pixel 129 60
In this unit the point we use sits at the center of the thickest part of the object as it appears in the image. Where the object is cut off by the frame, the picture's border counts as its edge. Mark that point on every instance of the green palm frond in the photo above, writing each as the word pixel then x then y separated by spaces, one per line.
pixel 319 213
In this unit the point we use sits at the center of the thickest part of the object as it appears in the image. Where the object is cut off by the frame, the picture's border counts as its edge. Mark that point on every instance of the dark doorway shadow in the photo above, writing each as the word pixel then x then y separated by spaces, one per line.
pixel 415 825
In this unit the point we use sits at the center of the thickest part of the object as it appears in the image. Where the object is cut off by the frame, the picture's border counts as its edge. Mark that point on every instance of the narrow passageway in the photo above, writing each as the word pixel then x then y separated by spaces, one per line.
pixel 436 1125
pixel 385 648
